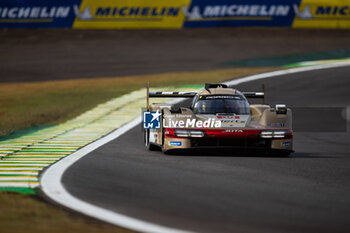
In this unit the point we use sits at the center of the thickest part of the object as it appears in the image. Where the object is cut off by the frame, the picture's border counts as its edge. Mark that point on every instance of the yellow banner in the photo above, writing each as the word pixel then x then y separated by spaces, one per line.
pixel 322 14
pixel 130 14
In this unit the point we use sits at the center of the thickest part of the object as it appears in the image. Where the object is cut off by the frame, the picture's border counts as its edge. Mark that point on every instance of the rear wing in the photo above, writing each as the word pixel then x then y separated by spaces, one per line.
pixel 163 94
pixel 172 94
pixel 253 95
pixel 256 95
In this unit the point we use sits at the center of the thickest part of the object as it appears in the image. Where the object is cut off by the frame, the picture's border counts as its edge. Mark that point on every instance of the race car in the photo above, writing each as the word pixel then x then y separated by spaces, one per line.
pixel 219 117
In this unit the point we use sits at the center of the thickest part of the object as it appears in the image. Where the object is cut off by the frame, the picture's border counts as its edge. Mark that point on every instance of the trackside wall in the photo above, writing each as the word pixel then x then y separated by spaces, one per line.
pixel 140 14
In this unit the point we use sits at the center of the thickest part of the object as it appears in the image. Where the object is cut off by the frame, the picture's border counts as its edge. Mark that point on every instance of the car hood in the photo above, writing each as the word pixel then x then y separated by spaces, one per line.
pixel 228 121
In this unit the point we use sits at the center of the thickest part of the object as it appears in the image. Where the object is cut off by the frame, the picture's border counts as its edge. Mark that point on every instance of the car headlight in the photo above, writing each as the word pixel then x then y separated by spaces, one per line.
pixel 273 134
pixel 279 134
pixel 197 133
pixel 183 133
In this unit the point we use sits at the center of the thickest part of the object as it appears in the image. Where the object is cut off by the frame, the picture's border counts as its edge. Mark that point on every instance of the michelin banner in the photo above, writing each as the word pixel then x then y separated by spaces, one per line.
pixel 322 14
pixel 218 13
pixel 37 13
pixel 131 14
pixel 86 14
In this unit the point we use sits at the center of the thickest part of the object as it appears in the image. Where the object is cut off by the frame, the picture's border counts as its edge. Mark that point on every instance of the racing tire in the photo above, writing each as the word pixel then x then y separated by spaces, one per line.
pixel 149 146
pixel 166 152
pixel 280 153
pixel 285 153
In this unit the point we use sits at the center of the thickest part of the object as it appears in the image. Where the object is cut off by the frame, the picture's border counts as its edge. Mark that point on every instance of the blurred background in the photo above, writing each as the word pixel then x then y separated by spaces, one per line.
pixel 60 58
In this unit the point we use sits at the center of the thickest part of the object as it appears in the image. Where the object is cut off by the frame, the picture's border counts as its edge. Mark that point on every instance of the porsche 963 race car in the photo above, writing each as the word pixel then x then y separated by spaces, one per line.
pixel 219 117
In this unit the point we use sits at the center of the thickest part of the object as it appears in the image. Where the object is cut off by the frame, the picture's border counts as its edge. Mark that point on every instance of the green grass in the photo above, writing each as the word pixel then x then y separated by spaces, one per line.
pixel 18 189
pixel 27 105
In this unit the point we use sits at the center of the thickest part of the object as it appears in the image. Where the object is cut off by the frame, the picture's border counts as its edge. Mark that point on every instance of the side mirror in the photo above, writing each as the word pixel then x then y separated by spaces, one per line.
pixel 281 109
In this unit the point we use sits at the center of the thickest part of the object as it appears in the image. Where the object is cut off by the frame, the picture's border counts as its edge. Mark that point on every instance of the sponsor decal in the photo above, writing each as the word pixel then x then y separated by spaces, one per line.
pixel 174 14
pixel 233 131
pixel 34 12
pixel 286 143
pixel 256 125
pixel 318 14
pixel 239 12
pixel 322 11
pixel 233 121
pixel 228 117
pixel 175 143
pixel 151 120
pixel 235 97
pixel 304 14
pixel 130 14
pixel 37 13
pixel 275 124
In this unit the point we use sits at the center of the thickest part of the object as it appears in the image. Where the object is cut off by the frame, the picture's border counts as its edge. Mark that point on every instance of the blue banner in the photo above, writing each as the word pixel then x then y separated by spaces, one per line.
pixel 37 13
pixel 221 13
pixel 173 14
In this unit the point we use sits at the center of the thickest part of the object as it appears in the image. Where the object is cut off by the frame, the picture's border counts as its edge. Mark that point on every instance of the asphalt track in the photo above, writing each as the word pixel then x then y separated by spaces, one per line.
pixel 307 192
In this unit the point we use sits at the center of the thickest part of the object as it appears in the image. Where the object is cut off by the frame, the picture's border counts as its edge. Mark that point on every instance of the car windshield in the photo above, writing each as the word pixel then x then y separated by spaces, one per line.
pixel 232 104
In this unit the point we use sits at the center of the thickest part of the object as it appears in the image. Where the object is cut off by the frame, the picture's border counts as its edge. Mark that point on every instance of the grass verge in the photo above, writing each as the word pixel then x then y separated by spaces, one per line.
pixel 25 105
pixel 26 213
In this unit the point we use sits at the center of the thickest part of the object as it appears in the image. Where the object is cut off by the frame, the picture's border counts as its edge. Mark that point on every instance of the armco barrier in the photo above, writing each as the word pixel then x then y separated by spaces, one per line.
pixel 174 14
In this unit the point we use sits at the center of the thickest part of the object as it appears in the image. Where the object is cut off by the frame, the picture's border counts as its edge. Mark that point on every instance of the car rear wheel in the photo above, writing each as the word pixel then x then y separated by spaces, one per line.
pixel 280 153
pixel 164 151
pixel 149 146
